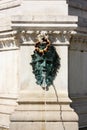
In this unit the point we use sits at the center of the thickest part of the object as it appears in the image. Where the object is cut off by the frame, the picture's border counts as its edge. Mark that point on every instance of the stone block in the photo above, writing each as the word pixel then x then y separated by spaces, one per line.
pixel 44 126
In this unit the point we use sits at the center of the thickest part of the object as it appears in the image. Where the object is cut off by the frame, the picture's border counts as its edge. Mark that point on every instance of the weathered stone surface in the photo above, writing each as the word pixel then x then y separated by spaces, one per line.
pixel 5 4
pixel 37 102
pixel 50 15
pixel 45 7
pixel 77 78
pixel 79 8
pixel 44 126
pixel 8 75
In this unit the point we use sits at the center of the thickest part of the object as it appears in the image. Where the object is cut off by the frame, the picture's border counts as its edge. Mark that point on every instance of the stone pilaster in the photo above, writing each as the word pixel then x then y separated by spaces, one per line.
pixel 9 52
pixel 37 108
pixel 77 68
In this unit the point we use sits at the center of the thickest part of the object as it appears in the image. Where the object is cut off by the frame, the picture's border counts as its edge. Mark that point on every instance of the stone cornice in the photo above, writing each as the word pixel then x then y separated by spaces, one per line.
pixel 78 42
pixel 5 4
pixel 8 41
pixel 44 18
pixel 13 39
pixel 51 23
pixel 56 37
pixel 26 28
pixel 59 28
pixel 79 38
pixel 79 4
pixel 82 30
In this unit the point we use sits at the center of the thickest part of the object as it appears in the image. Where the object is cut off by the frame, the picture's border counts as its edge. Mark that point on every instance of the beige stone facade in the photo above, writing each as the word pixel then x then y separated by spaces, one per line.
pixel 24 105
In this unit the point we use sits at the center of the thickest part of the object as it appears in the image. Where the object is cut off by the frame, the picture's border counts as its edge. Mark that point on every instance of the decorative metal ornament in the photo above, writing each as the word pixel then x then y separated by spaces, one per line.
pixel 42 39
pixel 45 62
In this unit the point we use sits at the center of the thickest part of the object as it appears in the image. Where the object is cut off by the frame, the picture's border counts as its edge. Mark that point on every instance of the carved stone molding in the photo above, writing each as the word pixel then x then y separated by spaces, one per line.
pixel 79 39
pixel 13 39
pixel 8 41
pixel 59 28
pixel 5 4
pixel 56 37
pixel 28 27
pixel 78 42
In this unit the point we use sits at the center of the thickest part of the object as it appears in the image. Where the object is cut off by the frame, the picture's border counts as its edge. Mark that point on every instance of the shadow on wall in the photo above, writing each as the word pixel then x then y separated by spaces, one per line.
pixel 78 8
pixel 78 62
pixel 78 81
pixel 83 128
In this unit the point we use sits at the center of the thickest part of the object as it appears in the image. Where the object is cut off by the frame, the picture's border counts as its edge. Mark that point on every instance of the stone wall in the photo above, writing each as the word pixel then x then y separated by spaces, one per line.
pixel 9 54
pixel 8 85
pixel 78 61
pixel 6 4
pixel 79 8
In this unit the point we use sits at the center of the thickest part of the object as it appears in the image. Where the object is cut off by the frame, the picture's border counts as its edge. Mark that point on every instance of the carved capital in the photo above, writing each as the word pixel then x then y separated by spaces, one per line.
pixel 79 38
pixel 56 37
pixel 8 41
pixel 78 42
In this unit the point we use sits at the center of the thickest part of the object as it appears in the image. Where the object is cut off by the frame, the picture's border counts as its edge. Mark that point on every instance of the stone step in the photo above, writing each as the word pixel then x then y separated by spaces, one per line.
pixel 43 126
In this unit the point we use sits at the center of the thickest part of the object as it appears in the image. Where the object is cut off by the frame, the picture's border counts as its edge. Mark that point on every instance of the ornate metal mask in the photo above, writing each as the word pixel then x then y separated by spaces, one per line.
pixel 45 62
